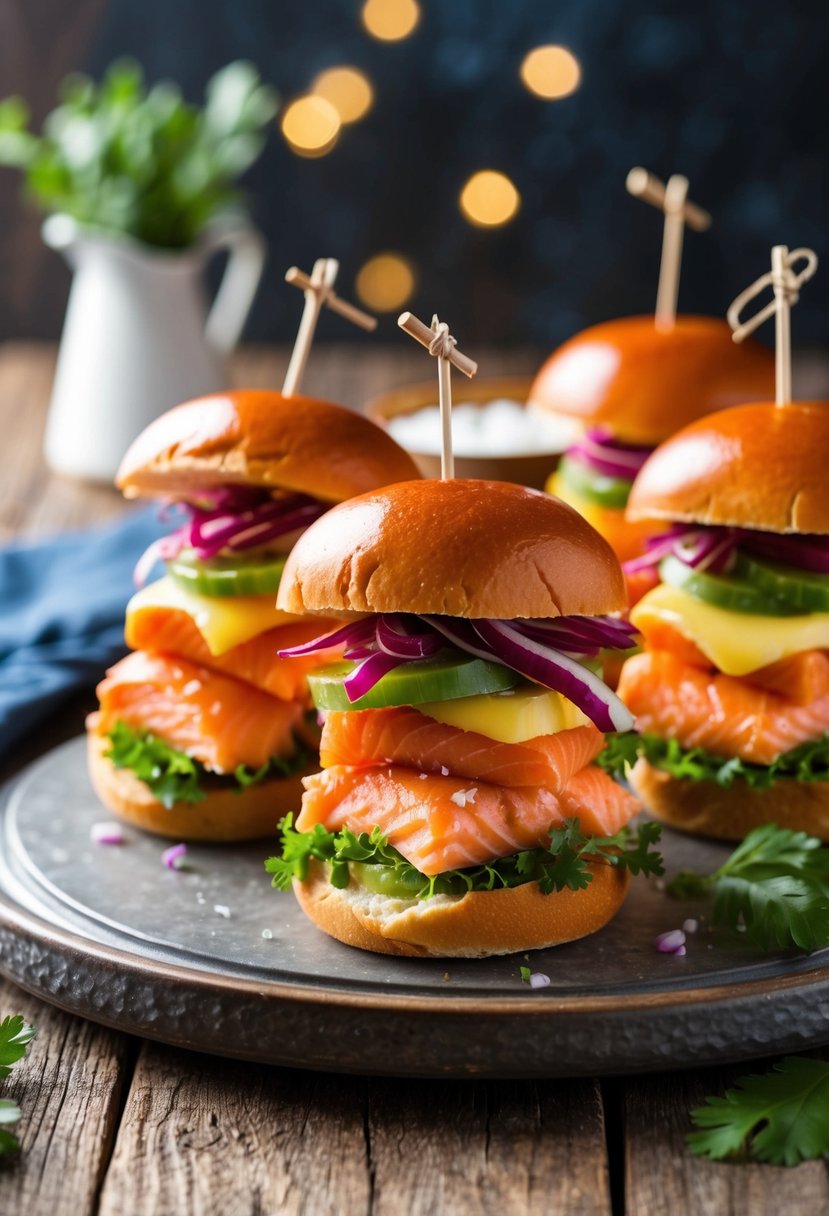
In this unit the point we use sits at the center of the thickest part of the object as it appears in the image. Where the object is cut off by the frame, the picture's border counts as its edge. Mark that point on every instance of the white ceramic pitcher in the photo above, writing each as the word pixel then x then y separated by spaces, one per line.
pixel 135 340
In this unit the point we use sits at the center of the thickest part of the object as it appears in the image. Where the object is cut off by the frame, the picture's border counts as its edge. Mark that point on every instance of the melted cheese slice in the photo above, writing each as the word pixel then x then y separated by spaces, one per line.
pixel 509 717
pixel 223 621
pixel 735 642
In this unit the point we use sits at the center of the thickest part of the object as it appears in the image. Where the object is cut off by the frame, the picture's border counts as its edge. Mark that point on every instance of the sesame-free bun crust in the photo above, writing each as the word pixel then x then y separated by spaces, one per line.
pixel 644 383
pixel 260 438
pixel 755 466
pixel 706 809
pixel 456 547
pixel 476 925
pixel 222 816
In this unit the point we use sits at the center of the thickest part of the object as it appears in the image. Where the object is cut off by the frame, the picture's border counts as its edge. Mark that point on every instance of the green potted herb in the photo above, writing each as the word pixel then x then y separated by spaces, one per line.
pixel 138 188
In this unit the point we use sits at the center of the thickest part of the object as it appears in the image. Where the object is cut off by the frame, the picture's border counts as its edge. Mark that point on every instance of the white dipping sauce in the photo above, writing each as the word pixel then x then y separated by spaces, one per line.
pixel 499 428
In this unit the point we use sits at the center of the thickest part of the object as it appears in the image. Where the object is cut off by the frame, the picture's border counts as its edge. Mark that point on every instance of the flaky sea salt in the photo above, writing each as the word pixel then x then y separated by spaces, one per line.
pixel 107 833
pixel 222 910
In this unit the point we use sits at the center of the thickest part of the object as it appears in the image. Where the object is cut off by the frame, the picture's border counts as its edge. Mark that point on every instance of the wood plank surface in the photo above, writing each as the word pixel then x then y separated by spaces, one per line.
pixel 194 1128
pixel 70 1089
pixel 202 1136
pixel 493 1148
pixel 662 1176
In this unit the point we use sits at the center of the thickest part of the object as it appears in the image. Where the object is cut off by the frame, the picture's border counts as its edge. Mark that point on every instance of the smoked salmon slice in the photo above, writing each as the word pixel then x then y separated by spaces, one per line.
pixel 213 718
pixel 169 631
pixel 371 737
pixel 445 823
pixel 727 715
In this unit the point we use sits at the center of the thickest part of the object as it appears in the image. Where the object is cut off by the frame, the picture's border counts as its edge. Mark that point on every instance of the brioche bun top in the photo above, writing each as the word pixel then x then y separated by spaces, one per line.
pixel 643 383
pixel 257 437
pixel 759 466
pixel 456 547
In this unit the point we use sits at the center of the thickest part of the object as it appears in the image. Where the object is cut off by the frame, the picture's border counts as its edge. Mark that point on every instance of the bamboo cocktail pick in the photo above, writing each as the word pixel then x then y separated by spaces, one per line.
pixel 440 343
pixel 319 291
pixel 784 282
pixel 672 200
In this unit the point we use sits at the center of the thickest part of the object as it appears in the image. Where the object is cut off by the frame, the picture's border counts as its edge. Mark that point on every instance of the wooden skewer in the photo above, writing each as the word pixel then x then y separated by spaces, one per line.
pixel 440 343
pixel 319 292
pixel 785 283
pixel 672 200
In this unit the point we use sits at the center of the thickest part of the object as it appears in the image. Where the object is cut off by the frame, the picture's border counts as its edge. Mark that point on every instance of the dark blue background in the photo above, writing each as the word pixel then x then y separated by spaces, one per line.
pixel 734 94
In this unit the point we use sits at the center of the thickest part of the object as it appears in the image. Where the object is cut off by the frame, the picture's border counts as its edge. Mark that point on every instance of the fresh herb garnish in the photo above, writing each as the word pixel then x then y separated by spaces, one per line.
pixel 776 884
pixel 173 776
pixel 143 162
pixel 808 762
pixel 563 863
pixel 15 1037
pixel 780 1116
pixel 525 974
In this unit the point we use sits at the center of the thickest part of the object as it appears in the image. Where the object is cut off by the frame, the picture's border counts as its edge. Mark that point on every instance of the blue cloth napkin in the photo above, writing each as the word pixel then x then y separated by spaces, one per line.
pixel 62 604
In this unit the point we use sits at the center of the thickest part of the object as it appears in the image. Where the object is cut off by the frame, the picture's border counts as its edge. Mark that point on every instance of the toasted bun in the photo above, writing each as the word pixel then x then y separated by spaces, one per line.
pixel 756 466
pixel 463 548
pixel 705 808
pixel 260 438
pixel 473 926
pixel 222 816
pixel 644 383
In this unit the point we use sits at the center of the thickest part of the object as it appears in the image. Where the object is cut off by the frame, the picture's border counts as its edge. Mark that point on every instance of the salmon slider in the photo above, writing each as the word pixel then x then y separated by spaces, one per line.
pixel 633 384
pixel 459 811
pixel 203 732
pixel 731 691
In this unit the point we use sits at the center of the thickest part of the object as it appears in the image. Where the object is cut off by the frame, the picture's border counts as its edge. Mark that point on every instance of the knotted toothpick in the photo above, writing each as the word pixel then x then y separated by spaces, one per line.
pixel 672 200
pixel 785 282
pixel 440 343
pixel 319 293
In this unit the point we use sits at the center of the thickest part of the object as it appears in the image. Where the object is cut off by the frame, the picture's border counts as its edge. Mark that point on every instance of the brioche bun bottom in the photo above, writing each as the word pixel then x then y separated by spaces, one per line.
pixel 707 809
pixel 222 816
pixel 470 926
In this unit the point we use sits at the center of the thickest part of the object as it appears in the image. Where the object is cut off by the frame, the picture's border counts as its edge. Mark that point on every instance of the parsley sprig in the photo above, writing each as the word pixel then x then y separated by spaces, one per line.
pixel 562 863
pixel 808 762
pixel 775 883
pixel 15 1037
pixel 173 776
pixel 781 1116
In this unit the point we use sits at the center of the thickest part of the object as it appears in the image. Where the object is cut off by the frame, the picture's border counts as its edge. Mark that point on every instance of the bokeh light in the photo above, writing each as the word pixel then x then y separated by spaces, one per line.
pixel 489 199
pixel 348 89
pixel 386 282
pixel 551 72
pixel 390 20
pixel 311 125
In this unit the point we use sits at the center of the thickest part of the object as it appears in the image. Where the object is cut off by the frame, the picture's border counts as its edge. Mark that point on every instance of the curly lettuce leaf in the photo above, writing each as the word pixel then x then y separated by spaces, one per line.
pixel 808 762
pixel 563 863
pixel 173 776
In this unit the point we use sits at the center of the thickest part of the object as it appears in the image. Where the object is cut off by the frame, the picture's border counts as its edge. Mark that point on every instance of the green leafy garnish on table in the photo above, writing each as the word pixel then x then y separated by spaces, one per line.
pixel 141 162
pixel 808 762
pixel 780 1116
pixel 173 776
pixel 15 1037
pixel 775 884
pixel 563 863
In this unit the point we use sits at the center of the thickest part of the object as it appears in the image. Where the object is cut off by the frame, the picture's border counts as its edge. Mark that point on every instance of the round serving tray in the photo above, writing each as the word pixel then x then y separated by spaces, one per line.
pixel 213 959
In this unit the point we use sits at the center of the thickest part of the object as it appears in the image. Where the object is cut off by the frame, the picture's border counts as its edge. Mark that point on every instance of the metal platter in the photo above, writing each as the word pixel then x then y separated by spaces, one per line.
pixel 213 959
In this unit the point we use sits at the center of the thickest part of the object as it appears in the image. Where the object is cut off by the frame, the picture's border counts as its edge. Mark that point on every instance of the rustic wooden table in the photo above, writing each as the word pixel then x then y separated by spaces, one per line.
pixel 120 1127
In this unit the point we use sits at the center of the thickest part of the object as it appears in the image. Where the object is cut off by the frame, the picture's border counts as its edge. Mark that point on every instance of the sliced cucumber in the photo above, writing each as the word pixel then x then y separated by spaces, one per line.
pixel 221 576
pixel 387 880
pixel 733 593
pixel 604 491
pixel 801 590
pixel 412 683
